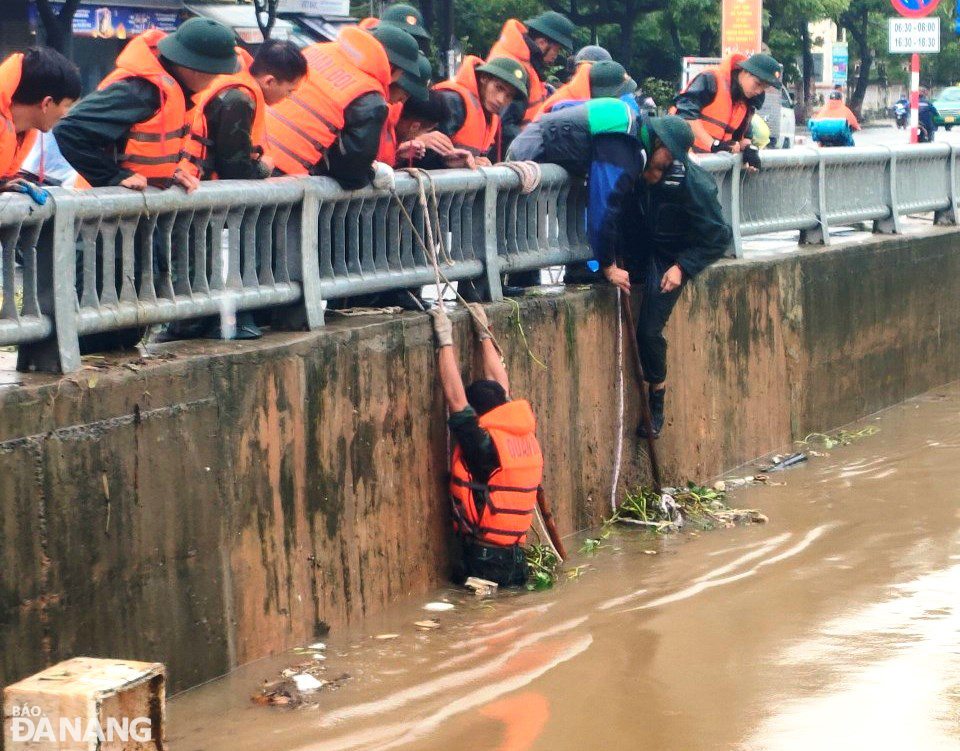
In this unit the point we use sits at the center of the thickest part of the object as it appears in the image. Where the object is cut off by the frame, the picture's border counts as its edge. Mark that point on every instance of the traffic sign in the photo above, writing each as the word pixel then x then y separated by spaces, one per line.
pixel 913 35
pixel 914 8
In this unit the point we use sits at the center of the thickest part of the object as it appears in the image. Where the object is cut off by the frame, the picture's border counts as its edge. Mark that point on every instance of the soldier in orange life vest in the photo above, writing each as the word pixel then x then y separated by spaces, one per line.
pixel 591 81
pixel 408 87
pixel 334 122
pixel 497 464
pixel 36 89
pixel 473 101
pixel 720 102
pixel 228 139
pixel 131 131
pixel 535 43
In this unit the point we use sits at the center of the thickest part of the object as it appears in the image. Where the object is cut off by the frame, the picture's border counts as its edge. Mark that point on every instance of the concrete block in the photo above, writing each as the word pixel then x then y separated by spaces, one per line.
pixel 87 704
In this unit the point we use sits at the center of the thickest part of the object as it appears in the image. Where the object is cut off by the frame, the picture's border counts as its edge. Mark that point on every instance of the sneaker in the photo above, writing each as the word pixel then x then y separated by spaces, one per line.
pixel 656 414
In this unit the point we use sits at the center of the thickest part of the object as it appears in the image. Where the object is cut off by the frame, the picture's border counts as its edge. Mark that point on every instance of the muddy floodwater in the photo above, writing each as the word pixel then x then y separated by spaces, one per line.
pixel 834 626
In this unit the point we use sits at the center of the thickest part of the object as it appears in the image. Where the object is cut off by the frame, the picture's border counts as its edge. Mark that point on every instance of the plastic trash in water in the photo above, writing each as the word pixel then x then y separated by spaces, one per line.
pixel 306 683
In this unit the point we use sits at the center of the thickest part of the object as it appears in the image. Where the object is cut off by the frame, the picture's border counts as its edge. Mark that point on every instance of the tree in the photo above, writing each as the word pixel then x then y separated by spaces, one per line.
pixel 857 19
pixel 58 27
pixel 266 13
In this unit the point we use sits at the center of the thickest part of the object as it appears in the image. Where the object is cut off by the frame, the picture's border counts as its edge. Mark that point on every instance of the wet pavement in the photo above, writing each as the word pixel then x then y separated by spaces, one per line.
pixel 834 626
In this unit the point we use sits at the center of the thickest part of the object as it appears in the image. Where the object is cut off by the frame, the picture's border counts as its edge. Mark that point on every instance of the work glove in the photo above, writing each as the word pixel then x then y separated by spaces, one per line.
pixel 751 157
pixel 20 185
pixel 383 177
pixel 722 146
pixel 481 326
pixel 442 327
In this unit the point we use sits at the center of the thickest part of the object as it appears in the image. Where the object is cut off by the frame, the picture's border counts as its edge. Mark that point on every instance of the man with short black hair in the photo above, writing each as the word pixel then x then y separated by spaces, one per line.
pixel 228 139
pixel 497 464
pixel 37 88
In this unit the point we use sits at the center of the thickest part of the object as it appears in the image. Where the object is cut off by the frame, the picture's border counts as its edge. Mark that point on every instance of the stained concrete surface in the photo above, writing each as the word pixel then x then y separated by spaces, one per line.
pixel 238 498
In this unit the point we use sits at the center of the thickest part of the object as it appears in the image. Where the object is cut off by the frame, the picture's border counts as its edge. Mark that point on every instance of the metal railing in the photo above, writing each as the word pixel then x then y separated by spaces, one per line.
pixel 106 260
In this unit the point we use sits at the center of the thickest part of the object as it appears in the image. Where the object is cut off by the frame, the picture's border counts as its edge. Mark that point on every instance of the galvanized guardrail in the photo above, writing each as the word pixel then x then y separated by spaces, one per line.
pixel 92 262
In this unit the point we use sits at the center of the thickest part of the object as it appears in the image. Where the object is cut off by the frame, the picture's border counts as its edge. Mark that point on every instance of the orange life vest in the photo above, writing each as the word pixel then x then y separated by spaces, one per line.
pixel 153 146
pixel 835 109
pixel 14 147
pixel 479 130
pixel 510 494
pixel 513 45
pixel 302 127
pixel 388 138
pixel 576 89
pixel 723 116
pixel 196 159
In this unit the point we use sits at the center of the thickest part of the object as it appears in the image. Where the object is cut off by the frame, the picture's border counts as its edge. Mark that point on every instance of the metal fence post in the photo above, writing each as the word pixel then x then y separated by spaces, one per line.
pixel 735 196
pixel 950 215
pixel 57 292
pixel 304 237
pixel 491 241
pixel 891 224
pixel 819 235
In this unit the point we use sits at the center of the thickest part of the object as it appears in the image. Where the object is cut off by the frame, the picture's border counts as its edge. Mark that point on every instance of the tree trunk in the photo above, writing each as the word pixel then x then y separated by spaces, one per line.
pixel 858 30
pixel 626 35
pixel 58 27
pixel 805 106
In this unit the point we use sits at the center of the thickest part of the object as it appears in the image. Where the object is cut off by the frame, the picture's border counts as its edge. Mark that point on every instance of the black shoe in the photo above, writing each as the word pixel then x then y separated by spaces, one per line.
pixel 656 414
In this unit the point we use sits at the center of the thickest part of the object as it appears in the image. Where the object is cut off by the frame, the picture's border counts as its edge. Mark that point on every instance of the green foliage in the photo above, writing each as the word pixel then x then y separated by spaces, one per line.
pixel 840 438
pixel 478 22
pixel 661 91
pixel 697 505
pixel 544 566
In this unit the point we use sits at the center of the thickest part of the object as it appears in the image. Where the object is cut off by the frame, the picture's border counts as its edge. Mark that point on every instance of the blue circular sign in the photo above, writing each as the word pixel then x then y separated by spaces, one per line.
pixel 914 8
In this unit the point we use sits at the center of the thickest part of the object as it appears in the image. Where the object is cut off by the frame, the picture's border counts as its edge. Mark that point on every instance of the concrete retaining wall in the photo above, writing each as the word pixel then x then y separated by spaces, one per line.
pixel 237 499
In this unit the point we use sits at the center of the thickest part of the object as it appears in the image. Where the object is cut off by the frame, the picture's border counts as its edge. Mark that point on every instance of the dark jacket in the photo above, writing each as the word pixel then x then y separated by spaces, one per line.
pixel 512 115
pixel 350 157
pixel 677 220
pixel 230 117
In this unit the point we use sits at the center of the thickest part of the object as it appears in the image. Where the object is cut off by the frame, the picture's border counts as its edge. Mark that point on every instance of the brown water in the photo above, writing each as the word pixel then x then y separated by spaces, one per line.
pixel 835 626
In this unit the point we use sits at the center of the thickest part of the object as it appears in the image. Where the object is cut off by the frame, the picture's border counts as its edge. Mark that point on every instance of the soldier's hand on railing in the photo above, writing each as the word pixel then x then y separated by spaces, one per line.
pixel 383 177
pixel 481 326
pixel 731 147
pixel 482 161
pixel 188 182
pixel 751 159
pixel 617 277
pixel 134 182
pixel 442 327
pixel 437 141
pixel 411 150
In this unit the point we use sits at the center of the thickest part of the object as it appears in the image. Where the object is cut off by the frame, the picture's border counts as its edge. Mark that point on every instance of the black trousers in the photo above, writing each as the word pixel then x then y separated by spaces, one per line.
pixel 654 311
pixel 505 565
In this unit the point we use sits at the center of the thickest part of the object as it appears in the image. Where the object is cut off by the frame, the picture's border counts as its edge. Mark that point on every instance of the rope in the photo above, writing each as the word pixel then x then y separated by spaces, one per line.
pixel 618 448
pixel 529 174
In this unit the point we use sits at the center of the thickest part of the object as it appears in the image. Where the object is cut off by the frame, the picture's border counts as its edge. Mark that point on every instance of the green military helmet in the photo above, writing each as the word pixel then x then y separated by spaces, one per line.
pixel 673 132
pixel 554 26
pixel 592 53
pixel 507 70
pixel 402 49
pixel 629 86
pixel 201 44
pixel 764 67
pixel 407 18
pixel 607 78
pixel 417 86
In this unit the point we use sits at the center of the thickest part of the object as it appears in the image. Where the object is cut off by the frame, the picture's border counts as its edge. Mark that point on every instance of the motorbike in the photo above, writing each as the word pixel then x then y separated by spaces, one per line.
pixel 901 114
pixel 831 132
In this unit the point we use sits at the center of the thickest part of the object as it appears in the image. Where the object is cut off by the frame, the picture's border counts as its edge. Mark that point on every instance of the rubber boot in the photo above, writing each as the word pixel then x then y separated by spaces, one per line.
pixel 656 414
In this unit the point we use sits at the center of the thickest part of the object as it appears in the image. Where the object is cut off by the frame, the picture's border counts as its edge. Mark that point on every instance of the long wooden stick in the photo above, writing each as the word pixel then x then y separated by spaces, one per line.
pixel 631 331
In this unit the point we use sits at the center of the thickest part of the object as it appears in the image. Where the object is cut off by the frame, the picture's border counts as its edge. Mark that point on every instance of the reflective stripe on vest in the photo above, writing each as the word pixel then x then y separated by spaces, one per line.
pixel 722 117
pixel 13 148
pixel 509 497
pixel 302 127
pixel 153 147
pixel 477 132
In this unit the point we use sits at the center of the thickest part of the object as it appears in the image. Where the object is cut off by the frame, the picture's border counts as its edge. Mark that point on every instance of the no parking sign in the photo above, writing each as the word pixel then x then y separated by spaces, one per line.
pixel 914 8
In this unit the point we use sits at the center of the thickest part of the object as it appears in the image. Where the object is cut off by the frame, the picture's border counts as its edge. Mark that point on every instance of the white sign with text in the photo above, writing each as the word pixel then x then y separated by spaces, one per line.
pixel 909 35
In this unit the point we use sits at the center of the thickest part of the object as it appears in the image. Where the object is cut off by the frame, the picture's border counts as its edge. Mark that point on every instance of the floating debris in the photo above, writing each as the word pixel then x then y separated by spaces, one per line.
pixel 318 646
pixel 703 507
pixel 780 463
pixel 481 587
pixel 427 625
pixel 386 637
pixel 306 683
pixel 298 686
pixel 439 607
pixel 840 438
pixel 544 566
